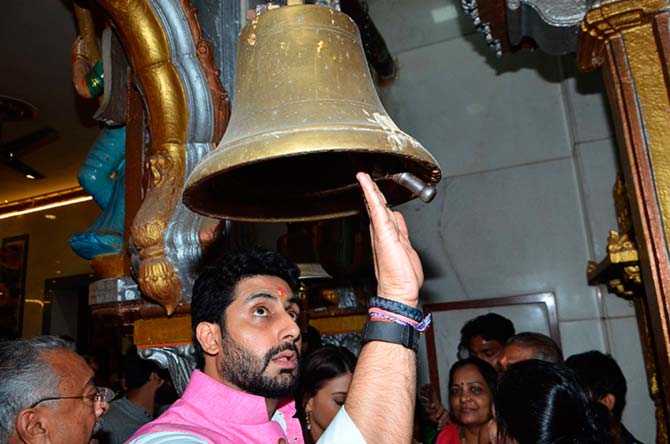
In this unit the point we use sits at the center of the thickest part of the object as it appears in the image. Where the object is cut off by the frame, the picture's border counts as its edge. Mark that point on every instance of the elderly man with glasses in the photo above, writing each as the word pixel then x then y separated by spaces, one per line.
pixel 47 393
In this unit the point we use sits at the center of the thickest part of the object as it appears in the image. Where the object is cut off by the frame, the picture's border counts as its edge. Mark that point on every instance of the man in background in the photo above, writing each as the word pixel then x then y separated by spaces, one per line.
pixel 47 393
pixel 484 337
pixel 137 407
pixel 530 345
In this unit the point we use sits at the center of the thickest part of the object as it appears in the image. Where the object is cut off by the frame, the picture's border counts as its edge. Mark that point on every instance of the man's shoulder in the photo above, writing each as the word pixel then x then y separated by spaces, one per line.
pixel 124 411
pixel 168 437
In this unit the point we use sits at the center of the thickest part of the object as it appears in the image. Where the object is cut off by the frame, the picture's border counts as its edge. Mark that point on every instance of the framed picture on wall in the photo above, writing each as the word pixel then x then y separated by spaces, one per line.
pixel 531 312
pixel 13 264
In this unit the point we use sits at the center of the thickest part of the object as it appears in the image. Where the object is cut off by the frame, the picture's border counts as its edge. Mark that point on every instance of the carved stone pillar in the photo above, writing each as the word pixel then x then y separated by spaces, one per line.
pixel 167 341
pixel 630 41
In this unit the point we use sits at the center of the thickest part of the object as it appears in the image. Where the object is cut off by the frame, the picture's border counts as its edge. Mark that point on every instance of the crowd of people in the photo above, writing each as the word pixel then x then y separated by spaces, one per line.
pixel 516 388
pixel 254 384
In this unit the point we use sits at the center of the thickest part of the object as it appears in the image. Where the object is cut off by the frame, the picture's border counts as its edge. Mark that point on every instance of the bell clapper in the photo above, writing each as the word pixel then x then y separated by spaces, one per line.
pixel 417 186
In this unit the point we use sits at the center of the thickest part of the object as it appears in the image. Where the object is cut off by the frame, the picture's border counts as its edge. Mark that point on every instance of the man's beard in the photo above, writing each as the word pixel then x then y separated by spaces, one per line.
pixel 246 371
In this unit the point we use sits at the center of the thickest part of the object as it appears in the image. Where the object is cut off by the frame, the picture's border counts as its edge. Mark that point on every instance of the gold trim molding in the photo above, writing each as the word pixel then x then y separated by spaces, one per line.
pixel 165 98
pixel 163 332
pixel 608 20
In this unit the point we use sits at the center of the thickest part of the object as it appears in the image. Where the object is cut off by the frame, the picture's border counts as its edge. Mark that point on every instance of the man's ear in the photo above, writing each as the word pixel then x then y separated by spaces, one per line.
pixel 608 401
pixel 31 426
pixel 156 379
pixel 209 336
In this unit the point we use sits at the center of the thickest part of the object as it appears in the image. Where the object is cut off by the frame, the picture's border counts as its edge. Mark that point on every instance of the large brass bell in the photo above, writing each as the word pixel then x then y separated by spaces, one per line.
pixel 305 119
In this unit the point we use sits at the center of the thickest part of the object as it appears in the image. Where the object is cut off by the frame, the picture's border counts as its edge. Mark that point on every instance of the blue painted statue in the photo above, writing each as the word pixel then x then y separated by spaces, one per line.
pixel 103 176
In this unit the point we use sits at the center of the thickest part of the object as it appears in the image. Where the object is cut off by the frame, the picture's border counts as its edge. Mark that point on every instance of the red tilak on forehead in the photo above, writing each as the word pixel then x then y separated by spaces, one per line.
pixel 282 294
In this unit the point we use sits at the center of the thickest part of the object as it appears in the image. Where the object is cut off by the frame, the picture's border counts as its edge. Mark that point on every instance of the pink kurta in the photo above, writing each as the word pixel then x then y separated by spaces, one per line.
pixel 219 414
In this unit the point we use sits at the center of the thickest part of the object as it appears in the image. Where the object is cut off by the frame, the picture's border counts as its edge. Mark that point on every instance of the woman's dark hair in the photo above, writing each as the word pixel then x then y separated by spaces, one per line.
pixel 485 369
pixel 601 375
pixel 318 368
pixel 538 402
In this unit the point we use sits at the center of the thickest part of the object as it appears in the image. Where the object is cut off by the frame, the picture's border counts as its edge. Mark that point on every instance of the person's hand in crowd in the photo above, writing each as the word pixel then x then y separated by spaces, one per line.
pixel 433 408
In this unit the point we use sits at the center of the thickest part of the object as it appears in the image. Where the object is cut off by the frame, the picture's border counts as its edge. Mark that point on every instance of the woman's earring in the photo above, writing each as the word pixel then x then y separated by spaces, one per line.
pixel 308 420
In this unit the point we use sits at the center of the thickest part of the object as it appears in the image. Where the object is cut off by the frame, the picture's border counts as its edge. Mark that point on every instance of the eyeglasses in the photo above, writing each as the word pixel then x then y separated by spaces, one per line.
pixel 101 394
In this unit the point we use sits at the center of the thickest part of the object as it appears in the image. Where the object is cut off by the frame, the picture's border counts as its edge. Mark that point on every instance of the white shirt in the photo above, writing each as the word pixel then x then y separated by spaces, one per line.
pixel 341 431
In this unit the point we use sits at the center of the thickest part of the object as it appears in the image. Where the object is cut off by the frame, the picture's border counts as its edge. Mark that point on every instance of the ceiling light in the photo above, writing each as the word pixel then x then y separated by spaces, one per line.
pixel 47 207
pixel 43 202
pixel 30 176
pixel 50 216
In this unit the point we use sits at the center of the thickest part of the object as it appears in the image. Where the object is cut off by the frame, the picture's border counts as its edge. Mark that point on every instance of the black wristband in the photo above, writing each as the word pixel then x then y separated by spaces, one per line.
pixel 396 307
pixel 404 335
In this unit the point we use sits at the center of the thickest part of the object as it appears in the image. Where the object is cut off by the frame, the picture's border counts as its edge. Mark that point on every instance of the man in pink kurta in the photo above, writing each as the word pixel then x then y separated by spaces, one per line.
pixel 244 315
pixel 214 413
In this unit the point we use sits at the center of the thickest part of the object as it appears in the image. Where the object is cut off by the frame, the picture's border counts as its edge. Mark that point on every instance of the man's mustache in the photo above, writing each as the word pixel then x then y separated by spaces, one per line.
pixel 278 349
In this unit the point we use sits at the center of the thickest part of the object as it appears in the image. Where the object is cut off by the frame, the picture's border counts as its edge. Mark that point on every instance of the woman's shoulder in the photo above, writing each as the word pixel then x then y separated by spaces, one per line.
pixel 448 435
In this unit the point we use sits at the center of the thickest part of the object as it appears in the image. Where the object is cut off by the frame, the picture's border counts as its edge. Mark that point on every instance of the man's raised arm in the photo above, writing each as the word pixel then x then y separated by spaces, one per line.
pixel 382 392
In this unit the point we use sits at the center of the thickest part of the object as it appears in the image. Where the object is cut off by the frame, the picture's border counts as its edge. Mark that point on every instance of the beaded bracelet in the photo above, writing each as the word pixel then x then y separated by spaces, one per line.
pixel 377 314
pixel 396 307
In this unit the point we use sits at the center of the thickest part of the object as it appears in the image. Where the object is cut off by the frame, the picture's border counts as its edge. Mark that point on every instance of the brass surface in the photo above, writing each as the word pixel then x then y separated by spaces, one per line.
pixel 109 265
pixel 306 118
pixel 148 52
pixel 608 20
pixel 87 32
pixel 163 332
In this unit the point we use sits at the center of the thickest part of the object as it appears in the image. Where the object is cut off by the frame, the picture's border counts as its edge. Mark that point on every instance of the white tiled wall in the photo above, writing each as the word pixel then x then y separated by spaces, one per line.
pixel 526 146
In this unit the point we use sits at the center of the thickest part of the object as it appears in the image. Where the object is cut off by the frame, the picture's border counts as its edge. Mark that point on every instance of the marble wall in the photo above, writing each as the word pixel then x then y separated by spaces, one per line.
pixel 527 151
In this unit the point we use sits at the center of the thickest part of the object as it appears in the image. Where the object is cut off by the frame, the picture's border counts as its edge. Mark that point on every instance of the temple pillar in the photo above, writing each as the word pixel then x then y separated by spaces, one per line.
pixel 629 40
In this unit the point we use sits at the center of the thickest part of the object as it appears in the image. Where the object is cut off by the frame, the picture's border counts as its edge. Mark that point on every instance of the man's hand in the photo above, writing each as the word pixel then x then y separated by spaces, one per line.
pixel 397 266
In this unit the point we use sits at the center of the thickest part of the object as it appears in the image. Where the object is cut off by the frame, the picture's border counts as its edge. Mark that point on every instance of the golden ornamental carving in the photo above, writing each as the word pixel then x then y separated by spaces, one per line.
pixel 620 288
pixel 631 274
pixel 591 267
pixel 609 19
pixel 620 270
pixel 621 248
pixel 148 52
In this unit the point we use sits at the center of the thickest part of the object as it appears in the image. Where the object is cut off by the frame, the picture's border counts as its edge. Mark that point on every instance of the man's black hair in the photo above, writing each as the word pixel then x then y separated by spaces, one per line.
pixel 214 289
pixel 601 375
pixel 138 370
pixel 490 326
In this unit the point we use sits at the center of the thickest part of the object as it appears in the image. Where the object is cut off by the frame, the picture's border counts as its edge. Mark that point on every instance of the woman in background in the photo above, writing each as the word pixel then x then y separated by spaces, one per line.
pixel 324 384
pixel 539 402
pixel 472 385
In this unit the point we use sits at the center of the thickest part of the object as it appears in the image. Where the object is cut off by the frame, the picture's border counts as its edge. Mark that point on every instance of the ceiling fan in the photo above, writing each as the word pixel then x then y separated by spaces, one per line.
pixel 16 110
